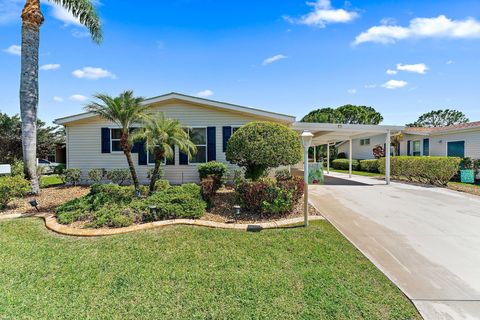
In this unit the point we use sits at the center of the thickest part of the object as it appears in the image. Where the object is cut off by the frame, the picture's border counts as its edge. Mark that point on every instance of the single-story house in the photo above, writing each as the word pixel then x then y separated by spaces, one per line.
pixel 92 142
pixel 462 140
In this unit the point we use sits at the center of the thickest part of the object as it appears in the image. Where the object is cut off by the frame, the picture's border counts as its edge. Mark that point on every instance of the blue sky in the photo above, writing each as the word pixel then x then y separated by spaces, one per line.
pixel 401 57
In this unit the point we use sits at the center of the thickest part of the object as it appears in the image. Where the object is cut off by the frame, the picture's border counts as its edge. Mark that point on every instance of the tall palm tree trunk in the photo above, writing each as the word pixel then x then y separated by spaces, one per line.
pixel 32 19
pixel 131 166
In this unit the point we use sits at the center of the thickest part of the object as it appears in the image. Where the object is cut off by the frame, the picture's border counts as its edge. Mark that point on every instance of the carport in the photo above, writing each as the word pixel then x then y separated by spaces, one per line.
pixel 328 134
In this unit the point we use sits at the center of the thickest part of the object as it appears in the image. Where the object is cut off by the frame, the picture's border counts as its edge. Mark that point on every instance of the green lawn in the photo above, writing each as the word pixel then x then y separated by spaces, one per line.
pixel 358 173
pixel 191 273
pixel 49 181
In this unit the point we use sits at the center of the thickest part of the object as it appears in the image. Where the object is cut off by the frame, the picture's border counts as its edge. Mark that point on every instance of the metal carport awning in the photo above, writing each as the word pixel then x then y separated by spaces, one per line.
pixel 328 133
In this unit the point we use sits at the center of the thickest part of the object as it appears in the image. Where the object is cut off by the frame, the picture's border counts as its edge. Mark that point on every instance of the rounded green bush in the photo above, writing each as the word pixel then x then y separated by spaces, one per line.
pixel 12 187
pixel 343 164
pixel 259 146
pixel 370 165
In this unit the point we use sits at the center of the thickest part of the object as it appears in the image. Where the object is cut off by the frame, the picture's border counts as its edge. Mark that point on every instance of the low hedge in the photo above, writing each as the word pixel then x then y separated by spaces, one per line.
pixel 111 205
pixel 429 170
pixel 370 165
pixel 343 164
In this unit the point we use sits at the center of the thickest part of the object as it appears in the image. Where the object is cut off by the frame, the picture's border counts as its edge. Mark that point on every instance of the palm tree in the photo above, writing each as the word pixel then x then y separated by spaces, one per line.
pixel 32 19
pixel 160 134
pixel 124 110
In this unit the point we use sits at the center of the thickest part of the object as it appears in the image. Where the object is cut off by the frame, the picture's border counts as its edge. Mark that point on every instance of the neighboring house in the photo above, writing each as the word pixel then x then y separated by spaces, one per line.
pixel 94 143
pixel 461 140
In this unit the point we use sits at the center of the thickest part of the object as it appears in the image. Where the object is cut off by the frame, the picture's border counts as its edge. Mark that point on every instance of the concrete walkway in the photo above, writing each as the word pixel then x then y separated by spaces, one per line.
pixel 426 240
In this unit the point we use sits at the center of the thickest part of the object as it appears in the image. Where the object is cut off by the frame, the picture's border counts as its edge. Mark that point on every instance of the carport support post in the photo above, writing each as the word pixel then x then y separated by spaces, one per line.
pixel 328 158
pixel 387 157
pixel 350 158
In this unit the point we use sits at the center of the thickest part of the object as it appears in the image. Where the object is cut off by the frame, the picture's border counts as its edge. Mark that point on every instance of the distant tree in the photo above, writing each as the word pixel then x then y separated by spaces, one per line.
pixel 11 141
pixel 348 114
pixel 440 118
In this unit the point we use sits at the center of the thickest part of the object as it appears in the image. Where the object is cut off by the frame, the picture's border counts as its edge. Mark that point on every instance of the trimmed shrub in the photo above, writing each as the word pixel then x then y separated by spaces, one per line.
pixel 260 146
pixel 429 170
pixel 162 184
pixel 343 164
pixel 283 174
pixel 370 165
pixel 95 175
pixel 17 168
pixel 268 196
pixel 72 176
pixel 59 169
pixel 11 188
pixel 119 176
pixel 217 170
pixel 113 217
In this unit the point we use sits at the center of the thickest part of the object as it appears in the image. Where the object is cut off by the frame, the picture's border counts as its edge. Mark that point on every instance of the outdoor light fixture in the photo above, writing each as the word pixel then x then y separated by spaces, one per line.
pixel 307 138
pixel 237 212
pixel 153 210
pixel 34 204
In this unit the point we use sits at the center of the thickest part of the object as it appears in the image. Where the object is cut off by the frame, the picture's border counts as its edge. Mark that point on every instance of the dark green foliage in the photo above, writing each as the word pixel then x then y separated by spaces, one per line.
pixel 95 175
pixel 259 146
pixel 440 118
pixel 12 187
pixel 11 141
pixel 348 114
pixel 218 170
pixel 343 164
pixel 268 196
pixel 111 205
pixel 370 165
pixel 162 184
pixel 430 170
pixel 283 174
pixel 59 169
pixel 119 176
pixel 72 176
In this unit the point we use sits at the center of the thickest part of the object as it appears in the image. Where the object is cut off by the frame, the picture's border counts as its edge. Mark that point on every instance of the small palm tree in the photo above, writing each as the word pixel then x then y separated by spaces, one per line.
pixel 124 110
pixel 32 19
pixel 160 134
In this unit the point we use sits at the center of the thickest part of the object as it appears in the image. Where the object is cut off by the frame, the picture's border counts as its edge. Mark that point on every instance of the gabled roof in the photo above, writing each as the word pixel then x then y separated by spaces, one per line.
pixel 183 97
pixel 439 130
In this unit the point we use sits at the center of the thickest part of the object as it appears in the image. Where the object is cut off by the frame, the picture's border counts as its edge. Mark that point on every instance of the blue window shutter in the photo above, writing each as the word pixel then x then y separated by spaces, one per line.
pixel 227 133
pixel 106 140
pixel 171 162
pixel 211 143
pixel 426 147
pixel 142 154
pixel 409 143
pixel 183 158
pixel 136 145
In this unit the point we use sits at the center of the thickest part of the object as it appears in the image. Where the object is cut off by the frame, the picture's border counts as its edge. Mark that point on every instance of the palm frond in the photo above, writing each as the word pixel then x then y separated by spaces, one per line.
pixel 86 13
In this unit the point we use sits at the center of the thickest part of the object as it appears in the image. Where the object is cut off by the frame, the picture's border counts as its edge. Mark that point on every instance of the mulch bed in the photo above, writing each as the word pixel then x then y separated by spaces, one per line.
pixel 223 211
pixel 475 190
pixel 48 200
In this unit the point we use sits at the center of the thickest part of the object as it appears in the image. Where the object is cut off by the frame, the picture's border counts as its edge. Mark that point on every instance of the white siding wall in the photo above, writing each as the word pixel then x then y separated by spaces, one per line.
pixel 363 152
pixel 84 140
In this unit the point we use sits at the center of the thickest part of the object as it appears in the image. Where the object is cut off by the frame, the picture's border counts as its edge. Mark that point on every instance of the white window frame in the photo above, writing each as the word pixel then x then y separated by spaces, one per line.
pixel 363 142
pixel 419 148
pixel 200 145
pixel 111 140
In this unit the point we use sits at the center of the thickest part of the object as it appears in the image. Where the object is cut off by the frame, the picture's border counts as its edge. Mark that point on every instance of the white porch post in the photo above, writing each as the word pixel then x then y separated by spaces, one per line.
pixel 314 154
pixel 350 156
pixel 328 158
pixel 387 157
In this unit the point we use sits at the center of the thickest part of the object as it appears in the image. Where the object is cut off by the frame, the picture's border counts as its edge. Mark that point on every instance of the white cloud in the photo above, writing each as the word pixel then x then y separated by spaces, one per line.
pixel 370 86
pixel 394 84
pixel 323 13
pixel 92 73
pixel 62 14
pixel 420 68
pixel 273 59
pixel 50 66
pixel 14 49
pixel 352 91
pixel 205 93
pixel 450 62
pixel 437 27
pixel 390 71
pixel 58 99
pixel 78 98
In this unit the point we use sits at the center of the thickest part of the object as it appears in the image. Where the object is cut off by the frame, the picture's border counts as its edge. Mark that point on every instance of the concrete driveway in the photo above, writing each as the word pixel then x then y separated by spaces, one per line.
pixel 426 240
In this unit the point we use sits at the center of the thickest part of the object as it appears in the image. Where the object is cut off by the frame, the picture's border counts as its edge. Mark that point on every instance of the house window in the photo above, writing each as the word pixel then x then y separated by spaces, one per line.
pixel 416 148
pixel 199 138
pixel 115 135
pixel 365 142
pixel 456 149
